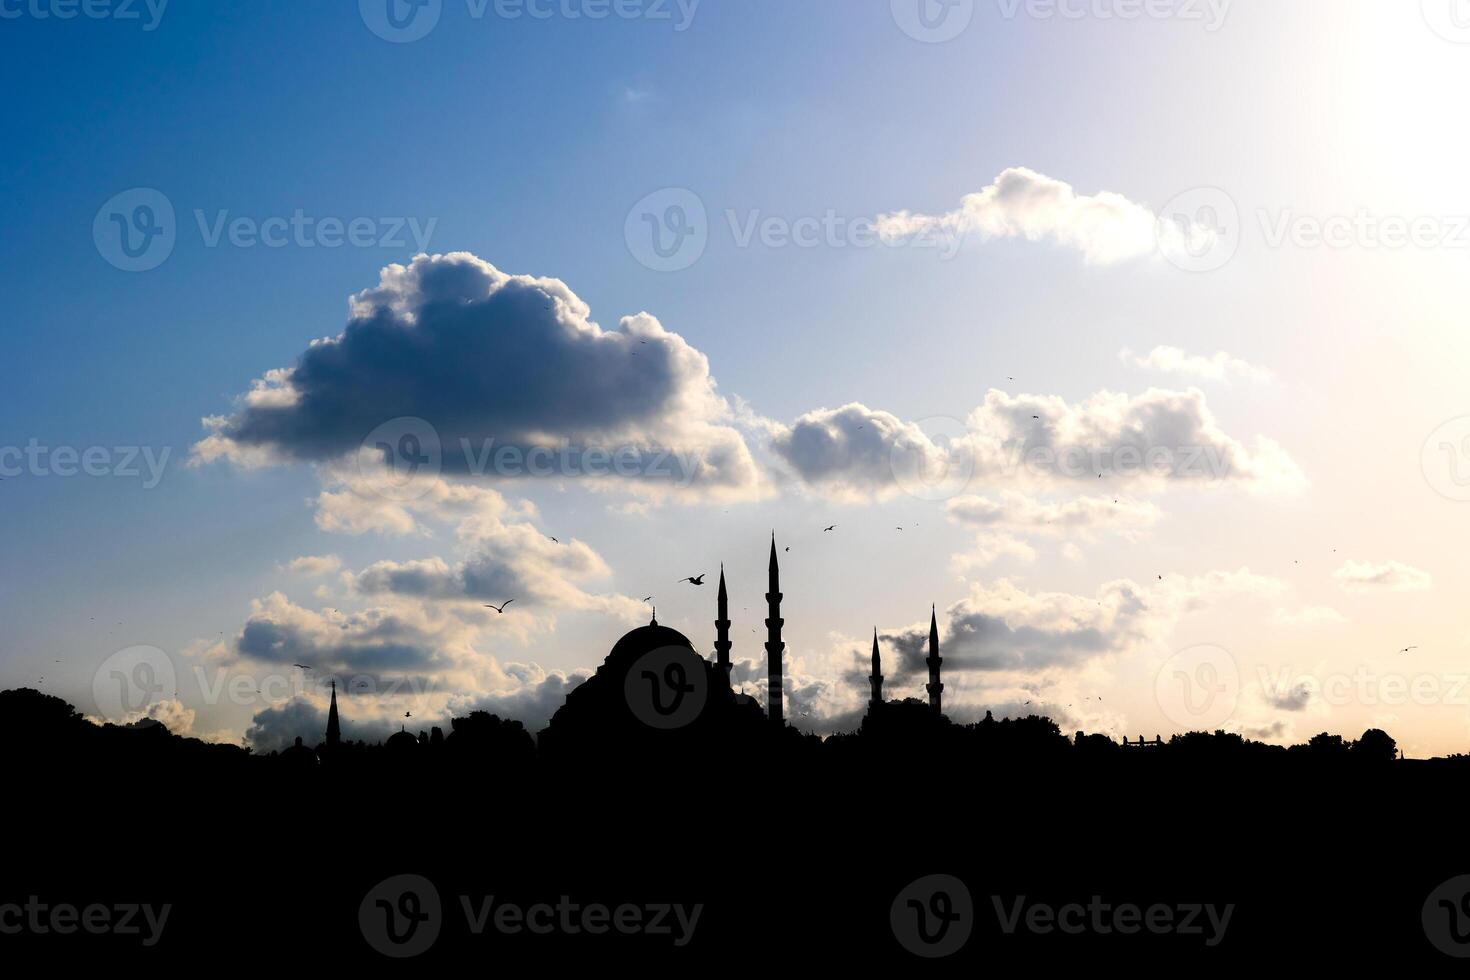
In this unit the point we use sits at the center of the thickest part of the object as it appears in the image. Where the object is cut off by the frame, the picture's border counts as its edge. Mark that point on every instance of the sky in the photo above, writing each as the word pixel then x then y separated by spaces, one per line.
pixel 1128 335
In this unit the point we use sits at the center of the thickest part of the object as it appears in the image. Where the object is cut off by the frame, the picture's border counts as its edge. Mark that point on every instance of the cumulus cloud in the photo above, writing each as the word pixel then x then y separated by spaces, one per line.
pixel 1017 512
pixel 855 452
pixel 1002 627
pixel 513 379
pixel 1389 576
pixel 1106 228
pixel 1149 441
pixel 1309 616
pixel 1217 367
pixel 504 561
pixel 314 565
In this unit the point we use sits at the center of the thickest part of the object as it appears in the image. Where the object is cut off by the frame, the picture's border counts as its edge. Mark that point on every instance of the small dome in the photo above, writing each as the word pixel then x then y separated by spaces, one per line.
pixel 402 740
pixel 644 639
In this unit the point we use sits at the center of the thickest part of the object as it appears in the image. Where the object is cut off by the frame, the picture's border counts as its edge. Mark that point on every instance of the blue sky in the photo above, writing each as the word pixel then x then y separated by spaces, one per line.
pixel 527 141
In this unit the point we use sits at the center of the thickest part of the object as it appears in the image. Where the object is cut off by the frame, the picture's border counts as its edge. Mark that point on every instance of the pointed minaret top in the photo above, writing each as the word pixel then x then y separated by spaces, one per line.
pixel 934 625
pixel 877 664
pixel 724 596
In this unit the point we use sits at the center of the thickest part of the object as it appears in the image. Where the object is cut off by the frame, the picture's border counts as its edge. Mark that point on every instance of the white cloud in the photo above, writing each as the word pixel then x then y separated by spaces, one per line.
pixel 314 566
pixel 1390 576
pixel 1217 367
pixel 1106 227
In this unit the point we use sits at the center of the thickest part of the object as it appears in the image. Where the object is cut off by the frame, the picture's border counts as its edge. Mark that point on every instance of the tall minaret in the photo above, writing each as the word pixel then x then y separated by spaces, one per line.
pixel 876 678
pixel 935 688
pixel 334 727
pixel 722 626
pixel 774 646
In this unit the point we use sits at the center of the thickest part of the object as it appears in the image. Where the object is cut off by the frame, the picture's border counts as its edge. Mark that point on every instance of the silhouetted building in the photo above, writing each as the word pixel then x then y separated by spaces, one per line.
pixel 722 626
pixel 774 645
pixel 334 727
pixel 876 677
pixel 934 687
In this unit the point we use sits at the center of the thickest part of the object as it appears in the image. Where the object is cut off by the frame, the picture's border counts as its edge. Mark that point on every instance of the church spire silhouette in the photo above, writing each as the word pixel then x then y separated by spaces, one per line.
pixel 934 687
pixel 334 727
pixel 876 678
pixel 722 626
pixel 774 645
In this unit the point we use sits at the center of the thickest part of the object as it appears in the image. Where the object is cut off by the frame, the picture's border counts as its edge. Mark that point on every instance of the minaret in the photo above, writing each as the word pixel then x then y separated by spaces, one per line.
pixel 935 688
pixel 334 727
pixel 876 678
pixel 774 646
pixel 722 626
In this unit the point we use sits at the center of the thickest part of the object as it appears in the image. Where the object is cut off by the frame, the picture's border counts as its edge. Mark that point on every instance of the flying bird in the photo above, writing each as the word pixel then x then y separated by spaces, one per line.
pixel 648 598
pixel 1407 649
pixel 500 608
pixel 302 666
pixel 831 528
pixel 692 580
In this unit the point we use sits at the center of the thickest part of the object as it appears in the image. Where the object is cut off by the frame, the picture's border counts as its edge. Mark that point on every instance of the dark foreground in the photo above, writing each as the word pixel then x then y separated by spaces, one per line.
pixel 1139 861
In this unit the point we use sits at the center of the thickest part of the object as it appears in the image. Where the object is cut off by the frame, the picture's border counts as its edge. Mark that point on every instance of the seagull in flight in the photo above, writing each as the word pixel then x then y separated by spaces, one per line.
pixel 500 608
pixel 830 528
pixel 648 598
pixel 1407 649
pixel 302 666
pixel 692 580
